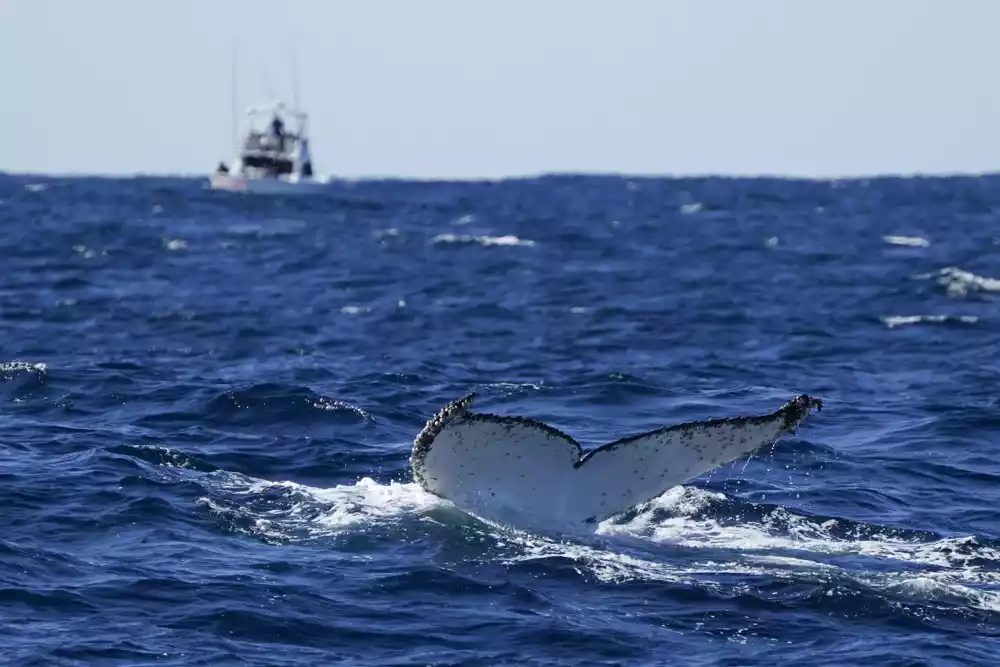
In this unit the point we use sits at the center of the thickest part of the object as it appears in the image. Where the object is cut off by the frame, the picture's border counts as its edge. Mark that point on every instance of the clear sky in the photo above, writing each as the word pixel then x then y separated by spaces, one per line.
pixel 489 88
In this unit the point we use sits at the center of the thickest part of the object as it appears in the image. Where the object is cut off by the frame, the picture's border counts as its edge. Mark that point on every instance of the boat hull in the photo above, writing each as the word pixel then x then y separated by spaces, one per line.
pixel 276 186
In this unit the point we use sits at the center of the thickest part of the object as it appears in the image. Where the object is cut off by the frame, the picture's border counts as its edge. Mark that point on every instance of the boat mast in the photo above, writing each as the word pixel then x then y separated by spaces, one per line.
pixel 232 98
pixel 299 114
pixel 305 157
pixel 295 77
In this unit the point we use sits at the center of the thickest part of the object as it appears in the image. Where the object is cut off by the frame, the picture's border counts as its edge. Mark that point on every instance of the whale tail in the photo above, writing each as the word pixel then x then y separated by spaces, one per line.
pixel 502 467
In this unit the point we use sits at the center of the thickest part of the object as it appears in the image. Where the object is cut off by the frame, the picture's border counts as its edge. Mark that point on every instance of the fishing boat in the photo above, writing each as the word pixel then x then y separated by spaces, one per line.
pixel 273 159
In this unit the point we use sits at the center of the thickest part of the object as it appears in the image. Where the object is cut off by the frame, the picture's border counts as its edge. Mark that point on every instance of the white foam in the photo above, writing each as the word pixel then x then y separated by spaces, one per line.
pixel 811 542
pixel 607 566
pixel 893 321
pixel 386 233
pixel 939 587
pixel 912 241
pixel 85 251
pixel 346 506
pixel 369 501
pixel 611 565
pixel 510 387
pixel 780 529
pixel 508 240
pixel 28 367
pixel 324 403
pixel 960 283
pixel 354 310
pixel 611 555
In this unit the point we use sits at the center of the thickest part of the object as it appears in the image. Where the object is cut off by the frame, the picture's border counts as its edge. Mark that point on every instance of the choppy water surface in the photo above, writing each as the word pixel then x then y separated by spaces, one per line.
pixel 208 403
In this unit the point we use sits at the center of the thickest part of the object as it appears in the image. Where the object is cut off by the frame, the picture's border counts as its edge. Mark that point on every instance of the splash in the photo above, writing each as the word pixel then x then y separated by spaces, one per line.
pixel 288 511
pixel 686 536
pixel 22 367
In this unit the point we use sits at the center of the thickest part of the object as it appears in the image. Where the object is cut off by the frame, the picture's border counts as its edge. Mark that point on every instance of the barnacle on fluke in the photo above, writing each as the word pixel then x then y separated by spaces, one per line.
pixel 522 470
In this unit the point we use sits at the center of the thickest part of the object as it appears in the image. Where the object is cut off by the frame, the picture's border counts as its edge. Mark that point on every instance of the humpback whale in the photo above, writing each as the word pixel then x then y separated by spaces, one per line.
pixel 519 470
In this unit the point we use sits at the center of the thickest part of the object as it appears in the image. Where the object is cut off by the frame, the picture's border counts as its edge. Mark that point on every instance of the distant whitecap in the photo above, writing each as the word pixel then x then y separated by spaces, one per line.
pixel 85 251
pixel 960 283
pixel 893 321
pixel 912 241
pixel 508 240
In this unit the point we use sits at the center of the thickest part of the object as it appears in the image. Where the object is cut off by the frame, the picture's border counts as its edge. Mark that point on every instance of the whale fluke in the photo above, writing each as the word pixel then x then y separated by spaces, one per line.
pixel 521 470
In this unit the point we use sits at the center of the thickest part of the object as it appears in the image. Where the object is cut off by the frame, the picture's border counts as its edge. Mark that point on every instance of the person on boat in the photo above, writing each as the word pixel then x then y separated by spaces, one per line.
pixel 277 126
pixel 278 131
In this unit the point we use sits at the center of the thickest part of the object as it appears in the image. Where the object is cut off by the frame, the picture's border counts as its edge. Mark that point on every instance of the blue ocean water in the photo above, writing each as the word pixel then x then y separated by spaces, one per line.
pixel 207 404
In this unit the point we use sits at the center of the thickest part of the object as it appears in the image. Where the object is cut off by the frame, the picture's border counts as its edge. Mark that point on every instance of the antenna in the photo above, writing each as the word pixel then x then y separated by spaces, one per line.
pixel 295 77
pixel 266 82
pixel 232 95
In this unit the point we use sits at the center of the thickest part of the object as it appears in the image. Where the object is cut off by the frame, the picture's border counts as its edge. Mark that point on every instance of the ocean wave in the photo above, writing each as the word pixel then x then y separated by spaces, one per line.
pixel 209 444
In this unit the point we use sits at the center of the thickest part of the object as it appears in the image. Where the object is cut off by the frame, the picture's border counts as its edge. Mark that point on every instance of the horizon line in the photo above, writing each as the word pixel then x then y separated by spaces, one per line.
pixel 693 175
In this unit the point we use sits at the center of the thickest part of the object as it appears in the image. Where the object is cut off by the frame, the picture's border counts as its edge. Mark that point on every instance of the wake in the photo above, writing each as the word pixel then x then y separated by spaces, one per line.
pixel 687 536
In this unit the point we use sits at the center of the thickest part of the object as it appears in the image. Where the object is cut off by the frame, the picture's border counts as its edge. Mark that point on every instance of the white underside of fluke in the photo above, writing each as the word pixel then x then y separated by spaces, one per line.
pixel 521 471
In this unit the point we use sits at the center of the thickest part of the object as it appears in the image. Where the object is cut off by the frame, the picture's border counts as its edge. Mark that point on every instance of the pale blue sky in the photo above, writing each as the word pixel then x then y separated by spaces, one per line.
pixel 470 88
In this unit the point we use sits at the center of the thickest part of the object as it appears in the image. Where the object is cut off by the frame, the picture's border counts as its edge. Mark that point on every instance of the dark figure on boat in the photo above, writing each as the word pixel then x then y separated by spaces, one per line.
pixel 278 130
